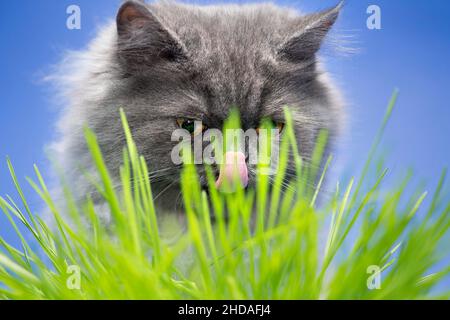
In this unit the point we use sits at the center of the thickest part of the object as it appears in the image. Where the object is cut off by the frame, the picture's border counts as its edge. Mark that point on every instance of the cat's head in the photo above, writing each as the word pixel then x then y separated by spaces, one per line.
pixel 179 63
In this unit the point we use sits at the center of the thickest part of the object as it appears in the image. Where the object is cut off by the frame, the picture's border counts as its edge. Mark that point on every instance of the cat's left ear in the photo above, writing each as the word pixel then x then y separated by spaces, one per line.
pixel 304 44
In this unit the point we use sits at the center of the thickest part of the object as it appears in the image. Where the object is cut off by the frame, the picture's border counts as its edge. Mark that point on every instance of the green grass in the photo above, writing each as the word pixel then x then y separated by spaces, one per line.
pixel 291 250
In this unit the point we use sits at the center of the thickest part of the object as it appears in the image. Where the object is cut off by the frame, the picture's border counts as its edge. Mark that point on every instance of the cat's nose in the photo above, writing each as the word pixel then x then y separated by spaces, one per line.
pixel 233 172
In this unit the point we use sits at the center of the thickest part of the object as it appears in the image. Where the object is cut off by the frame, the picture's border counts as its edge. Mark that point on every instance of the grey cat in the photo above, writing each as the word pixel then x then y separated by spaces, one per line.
pixel 166 61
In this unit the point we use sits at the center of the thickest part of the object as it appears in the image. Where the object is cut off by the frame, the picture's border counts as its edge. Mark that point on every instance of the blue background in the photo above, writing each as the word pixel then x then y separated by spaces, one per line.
pixel 411 52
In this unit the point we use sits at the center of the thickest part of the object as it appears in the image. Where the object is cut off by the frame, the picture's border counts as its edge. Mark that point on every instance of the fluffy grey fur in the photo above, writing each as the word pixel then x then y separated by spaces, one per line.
pixel 167 60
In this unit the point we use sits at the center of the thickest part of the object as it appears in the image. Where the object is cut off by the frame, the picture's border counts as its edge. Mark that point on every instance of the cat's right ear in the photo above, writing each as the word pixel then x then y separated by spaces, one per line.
pixel 143 39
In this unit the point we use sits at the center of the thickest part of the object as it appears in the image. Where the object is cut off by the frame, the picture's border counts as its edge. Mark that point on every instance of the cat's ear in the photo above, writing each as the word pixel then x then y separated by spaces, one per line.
pixel 304 44
pixel 141 36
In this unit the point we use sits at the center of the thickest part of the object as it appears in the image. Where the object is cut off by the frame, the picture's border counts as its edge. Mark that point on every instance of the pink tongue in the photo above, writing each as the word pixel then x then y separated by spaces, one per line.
pixel 234 168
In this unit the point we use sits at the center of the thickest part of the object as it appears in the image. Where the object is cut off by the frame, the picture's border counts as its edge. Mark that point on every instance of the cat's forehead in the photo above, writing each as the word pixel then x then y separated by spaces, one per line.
pixel 231 49
pixel 227 27
pixel 231 77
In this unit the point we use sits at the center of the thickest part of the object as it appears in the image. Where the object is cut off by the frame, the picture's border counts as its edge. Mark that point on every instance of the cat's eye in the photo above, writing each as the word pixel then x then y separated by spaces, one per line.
pixel 276 125
pixel 189 126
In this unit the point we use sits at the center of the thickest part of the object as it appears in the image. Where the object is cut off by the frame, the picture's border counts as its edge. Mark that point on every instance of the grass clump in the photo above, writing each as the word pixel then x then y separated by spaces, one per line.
pixel 291 250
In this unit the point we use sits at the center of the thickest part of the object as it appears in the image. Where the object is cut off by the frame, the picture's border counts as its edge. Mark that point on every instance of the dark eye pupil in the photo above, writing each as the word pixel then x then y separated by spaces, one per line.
pixel 189 126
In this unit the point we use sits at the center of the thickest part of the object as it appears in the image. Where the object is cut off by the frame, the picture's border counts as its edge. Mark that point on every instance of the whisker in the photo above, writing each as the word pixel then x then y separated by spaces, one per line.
pixel 165 189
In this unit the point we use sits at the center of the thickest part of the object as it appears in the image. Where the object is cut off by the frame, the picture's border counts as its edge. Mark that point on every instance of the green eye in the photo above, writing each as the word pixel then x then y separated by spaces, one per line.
pixel 277 125
pixel 189 126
